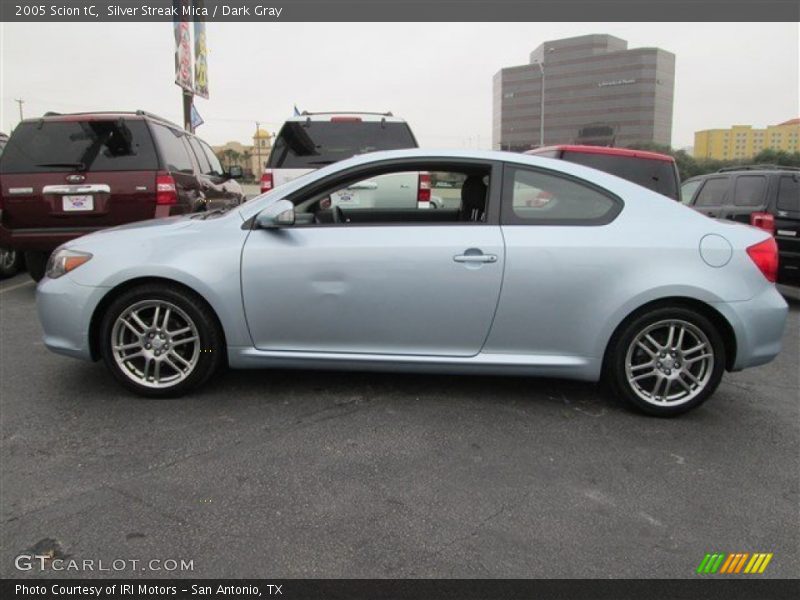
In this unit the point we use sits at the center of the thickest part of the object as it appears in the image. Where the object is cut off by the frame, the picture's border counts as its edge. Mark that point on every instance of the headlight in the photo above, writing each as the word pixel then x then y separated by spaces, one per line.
pixel 64 261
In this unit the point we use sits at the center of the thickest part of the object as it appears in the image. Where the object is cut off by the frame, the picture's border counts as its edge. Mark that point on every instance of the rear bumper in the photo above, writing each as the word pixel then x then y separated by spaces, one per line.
pixel 788 266
pixel 45 239
pixel 65 311
pixel 758 325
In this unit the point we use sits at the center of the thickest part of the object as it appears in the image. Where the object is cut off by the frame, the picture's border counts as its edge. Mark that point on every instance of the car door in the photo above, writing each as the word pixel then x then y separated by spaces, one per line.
pixel 712 196
pixel 422 285
pixel 749 195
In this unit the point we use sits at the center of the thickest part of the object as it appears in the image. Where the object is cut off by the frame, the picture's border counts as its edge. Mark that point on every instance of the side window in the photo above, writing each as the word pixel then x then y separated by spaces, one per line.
pixel 713 192
pixel 205 166
pixel 688 189
pixel 549 199
pixel 403 196
pixel 173 150
pixel 749 190
pixel 789 193
pixel 216 167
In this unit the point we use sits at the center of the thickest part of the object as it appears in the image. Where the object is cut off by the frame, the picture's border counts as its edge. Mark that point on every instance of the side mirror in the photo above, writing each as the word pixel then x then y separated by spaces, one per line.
pixel 235 172
pixel 280 214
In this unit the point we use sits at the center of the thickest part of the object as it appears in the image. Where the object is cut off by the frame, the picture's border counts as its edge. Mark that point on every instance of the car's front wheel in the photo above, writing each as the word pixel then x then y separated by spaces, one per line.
pixel 160 340
pixel 666 361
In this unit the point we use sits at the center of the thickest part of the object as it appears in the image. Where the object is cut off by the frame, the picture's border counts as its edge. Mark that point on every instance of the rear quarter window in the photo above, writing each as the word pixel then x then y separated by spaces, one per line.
pixel 545 198
pixel 172 148
pixel 789 193
pixel 65 146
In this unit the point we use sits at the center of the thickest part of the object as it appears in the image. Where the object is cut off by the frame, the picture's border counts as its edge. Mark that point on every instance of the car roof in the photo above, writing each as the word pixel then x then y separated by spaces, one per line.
pixel 583 149
pixel 748 170
pixel 102 116
pixel 369 117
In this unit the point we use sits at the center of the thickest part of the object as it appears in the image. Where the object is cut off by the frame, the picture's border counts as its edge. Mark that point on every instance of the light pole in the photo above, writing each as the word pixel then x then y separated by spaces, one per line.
pixel 541 106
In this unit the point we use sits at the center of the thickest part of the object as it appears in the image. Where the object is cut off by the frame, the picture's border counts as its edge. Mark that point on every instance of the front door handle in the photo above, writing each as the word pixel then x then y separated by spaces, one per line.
pixel 475 258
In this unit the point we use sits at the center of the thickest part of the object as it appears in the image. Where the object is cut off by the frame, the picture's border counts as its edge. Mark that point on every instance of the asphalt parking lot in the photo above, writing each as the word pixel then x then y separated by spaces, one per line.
pixel 316 474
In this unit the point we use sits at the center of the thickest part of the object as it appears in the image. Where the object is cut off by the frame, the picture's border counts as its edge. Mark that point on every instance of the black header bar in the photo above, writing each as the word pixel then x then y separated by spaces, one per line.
pixel 397 10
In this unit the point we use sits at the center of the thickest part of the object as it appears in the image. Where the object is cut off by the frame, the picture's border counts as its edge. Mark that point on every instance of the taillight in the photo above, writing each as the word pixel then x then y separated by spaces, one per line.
pixel 266 182
pixel 765 256
pixel 424 188
pixel 166 192
pixel 763 220
pixel 345 119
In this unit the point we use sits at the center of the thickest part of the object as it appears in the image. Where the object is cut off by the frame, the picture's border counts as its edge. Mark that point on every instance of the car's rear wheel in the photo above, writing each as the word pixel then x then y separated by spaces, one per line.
pixel 10 262
pixel 160 341
pixel 37 264
pixel 666 361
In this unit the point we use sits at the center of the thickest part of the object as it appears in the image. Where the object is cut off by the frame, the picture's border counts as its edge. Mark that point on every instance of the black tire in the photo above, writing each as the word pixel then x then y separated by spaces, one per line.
pixel 37 264
pixel 617 356
pixel 10 262
pixel 211 340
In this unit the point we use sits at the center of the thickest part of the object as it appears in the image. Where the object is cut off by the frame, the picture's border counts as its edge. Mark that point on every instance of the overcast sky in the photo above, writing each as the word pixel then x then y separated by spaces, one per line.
pixel 438 76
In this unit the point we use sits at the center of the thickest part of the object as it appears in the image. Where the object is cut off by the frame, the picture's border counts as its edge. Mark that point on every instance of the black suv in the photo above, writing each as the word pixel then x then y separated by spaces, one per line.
pixel 765 196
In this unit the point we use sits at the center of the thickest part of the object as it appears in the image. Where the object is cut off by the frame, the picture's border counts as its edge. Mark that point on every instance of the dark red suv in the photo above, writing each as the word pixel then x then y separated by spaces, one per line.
pixel 62 176
pixel 652 170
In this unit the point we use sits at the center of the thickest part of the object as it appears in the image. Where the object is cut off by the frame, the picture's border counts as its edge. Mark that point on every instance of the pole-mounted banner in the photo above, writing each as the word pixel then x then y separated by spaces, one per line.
pixel 183 48
pixel 200 52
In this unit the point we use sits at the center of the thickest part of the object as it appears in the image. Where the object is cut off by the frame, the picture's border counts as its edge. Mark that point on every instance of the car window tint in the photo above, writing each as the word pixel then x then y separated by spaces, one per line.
pixel 202 160
pixel 90 145
pixel 173 150
pixel 749 190
pixel 216 166
pixel 688 189
pixel 789 193
pixel 712 192
pixel 542 197
pixel 401 197
pixel 313 144
pixel 657 175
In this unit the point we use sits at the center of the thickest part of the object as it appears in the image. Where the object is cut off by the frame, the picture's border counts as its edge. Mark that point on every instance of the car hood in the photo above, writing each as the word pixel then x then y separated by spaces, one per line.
pixel 177 222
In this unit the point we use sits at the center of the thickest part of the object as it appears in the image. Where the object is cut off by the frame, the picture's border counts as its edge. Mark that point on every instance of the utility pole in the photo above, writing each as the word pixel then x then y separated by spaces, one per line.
pixel 20 101
pixel 258 149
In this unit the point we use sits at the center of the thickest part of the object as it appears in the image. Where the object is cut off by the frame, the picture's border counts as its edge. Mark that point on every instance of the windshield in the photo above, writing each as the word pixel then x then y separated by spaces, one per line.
pixel 59 146
pixel 312 144
pixel 657 175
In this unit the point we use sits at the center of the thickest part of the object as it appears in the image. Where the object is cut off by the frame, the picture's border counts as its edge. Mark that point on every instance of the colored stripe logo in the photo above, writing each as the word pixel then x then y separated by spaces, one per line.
pixel 734 563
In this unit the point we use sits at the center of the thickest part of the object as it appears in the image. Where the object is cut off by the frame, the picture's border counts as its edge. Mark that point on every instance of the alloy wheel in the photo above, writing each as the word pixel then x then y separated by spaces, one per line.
pixel 669 363
pixel 155 343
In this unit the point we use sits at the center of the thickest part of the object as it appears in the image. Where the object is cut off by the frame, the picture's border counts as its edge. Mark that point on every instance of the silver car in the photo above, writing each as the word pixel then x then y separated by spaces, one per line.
pixel 545 268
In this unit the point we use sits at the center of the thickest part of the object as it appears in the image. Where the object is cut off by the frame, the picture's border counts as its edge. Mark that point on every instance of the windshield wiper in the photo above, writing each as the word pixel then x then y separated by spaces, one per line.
pixel 78 166
pixel 321 162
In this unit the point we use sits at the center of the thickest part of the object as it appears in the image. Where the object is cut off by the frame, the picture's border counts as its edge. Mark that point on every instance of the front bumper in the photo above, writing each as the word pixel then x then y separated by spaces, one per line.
pixel 65 311
pixel 758 324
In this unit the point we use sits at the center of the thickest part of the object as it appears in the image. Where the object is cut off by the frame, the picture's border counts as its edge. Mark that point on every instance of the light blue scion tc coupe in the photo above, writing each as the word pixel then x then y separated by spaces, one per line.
pixel 538 267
